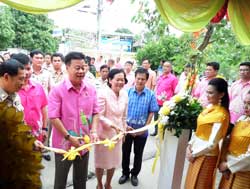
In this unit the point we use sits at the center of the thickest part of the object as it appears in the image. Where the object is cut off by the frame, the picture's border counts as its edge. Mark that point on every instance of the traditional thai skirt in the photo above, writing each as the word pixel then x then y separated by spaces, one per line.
pixel 200 173
pixel 239 180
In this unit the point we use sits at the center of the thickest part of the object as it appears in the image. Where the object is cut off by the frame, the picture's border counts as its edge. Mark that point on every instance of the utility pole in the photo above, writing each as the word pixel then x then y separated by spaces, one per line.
pixel 98 32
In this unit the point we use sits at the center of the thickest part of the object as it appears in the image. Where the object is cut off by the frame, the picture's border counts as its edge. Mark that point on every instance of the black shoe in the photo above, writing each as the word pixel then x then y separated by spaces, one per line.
pixel 153 134
pixel 134 180
pixel 90 175
pixel 47 157
pixel 123 179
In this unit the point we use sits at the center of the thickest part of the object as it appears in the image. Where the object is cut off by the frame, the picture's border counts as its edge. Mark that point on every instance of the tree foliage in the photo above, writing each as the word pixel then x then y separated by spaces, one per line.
pixel 29 31
pixel 7 33
pixel 123 30
pixel 216 43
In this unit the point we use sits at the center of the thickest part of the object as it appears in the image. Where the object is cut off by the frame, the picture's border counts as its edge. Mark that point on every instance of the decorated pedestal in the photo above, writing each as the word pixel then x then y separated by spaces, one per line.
pixel 172 160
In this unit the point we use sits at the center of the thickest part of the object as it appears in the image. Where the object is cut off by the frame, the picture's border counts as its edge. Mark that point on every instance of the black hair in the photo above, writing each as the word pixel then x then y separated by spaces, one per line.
pixel 74 56
pixel 111 60
pixel 87 60
pixel 215 65
pixel 245 64
pixel 22 58
pixel 114 72
pixel 141 70
pixel 188 65
pixel 146 59
pixel 10 67
pixel 103 67
pixel 129 62
pixel 222 87
pixel 48 54
pixel 57 55
pixel 35 52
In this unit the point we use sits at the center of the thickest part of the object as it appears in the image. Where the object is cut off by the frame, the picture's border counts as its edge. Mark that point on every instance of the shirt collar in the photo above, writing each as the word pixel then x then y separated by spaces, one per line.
pixel 3 95
pixel 240 81
pixel 70 86
pixel 135 91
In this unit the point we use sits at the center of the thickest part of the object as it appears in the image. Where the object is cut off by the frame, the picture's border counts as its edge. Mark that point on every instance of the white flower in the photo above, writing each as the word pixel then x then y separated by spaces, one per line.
pixel 164 120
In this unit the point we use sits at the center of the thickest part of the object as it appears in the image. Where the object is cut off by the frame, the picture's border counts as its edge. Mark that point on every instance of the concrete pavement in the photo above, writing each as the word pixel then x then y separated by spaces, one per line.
pixel 147 180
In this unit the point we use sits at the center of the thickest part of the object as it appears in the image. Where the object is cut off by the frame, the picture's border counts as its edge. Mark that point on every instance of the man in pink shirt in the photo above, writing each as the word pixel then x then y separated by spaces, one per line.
pixel 165 87
pixel 238 91
pixel 210 73
pixel 151 82
pixel 34 101
pixel 73 112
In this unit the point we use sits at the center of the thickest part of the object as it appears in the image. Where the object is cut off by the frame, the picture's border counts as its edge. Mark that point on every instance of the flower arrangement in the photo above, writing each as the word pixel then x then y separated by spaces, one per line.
pixel 180 112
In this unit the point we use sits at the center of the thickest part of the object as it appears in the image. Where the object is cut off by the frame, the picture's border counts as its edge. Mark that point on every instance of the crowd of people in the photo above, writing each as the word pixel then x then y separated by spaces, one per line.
pixel 66 98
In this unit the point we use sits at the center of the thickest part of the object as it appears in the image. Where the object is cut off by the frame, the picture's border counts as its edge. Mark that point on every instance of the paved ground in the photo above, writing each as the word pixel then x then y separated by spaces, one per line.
pixel 147 180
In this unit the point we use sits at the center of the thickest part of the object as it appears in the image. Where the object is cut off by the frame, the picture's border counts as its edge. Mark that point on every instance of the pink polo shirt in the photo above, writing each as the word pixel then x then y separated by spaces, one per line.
pixel 165 87
pixel 67 103
pixel 33 99
pixel 237 93
pixel 200 92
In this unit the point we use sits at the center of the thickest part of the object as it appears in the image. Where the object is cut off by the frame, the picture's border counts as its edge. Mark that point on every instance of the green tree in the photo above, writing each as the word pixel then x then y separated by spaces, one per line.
pixel 7 34
pixel 33 31
pixel 30 31
pixel 169 48
pixel 123 30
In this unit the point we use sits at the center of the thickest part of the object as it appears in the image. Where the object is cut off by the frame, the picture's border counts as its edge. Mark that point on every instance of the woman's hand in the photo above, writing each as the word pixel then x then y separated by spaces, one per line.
pixel 189 154
pixel 117 129
pixel 223 166
pixel 94 137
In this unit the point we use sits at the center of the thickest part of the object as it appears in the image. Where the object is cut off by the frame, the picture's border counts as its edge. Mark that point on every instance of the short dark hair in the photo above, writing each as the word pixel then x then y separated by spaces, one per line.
pixel 10 67
pixel 87 60
pixel 103 67
pixel 57 55
pixel 215 65
pixel 35 52
pixel 188 65
pixel 245 64
pixel 146 59
pixel 74 56
pixel 112 74
pixel 111 60
pixel 22 58
pixel 129 62
pixel 48 54
pixel 141 70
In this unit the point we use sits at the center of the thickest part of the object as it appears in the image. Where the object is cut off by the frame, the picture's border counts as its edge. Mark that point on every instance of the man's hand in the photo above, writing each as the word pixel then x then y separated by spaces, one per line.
pixel 44 135
pixel 74 141
pixel 38 145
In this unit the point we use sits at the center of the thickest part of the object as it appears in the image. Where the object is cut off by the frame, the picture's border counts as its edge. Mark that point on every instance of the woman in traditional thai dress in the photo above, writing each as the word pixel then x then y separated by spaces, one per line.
pixel 113 102
pixel 236 165
pixel 203 149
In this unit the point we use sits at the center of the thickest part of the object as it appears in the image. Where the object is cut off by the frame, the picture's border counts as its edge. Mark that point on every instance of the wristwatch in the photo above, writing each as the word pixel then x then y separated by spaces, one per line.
pixel 67 137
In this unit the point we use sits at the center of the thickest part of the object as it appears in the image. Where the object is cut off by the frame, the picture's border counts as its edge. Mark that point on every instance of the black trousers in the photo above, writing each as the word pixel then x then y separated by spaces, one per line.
pixel 139 144
pixel 80 171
